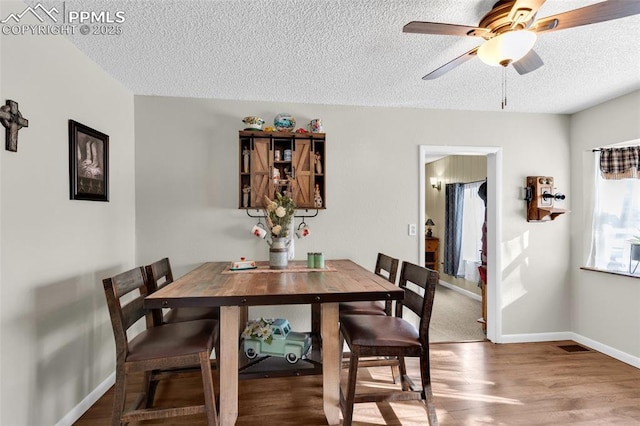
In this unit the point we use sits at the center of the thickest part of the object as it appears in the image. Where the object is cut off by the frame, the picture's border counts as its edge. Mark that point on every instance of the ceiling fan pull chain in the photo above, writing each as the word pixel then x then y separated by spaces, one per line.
pixel 504 87
pixel 504 73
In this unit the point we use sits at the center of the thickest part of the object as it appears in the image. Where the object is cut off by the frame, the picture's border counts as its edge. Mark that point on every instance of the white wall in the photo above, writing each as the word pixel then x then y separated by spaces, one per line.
pixel 186 186
pixel 56 340
pixel 606 307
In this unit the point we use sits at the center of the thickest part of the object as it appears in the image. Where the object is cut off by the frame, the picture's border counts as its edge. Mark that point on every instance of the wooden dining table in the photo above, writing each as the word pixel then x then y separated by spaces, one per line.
pixel 216 284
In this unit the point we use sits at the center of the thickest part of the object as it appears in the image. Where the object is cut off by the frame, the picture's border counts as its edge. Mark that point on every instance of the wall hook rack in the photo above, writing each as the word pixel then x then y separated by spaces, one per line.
pixel 303 216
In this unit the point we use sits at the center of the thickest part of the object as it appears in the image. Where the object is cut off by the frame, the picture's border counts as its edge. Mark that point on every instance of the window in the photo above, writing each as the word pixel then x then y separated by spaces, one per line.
pixel 472 220
pixel 616 221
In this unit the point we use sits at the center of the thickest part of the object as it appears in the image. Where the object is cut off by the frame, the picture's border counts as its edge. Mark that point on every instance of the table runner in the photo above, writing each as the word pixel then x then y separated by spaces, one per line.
pixel 296 266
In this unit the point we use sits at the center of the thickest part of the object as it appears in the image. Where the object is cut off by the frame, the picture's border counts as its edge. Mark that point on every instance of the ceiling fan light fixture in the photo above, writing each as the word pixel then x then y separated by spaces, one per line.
pixel 507 47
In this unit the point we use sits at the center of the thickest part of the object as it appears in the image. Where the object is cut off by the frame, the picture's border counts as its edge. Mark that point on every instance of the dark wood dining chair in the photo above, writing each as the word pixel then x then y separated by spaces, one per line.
pixel 158 352
pixel 159 274
pixel 393 336
pixel 387 268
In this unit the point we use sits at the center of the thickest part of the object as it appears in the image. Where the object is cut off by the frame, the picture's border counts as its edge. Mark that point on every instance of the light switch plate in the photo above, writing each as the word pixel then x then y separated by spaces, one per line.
pixel 412 229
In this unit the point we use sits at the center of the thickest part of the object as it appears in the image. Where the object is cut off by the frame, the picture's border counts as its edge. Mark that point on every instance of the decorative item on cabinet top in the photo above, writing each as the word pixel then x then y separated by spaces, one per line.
pixel 284 122
pixel 315 125
pixel 253 123
pixel 538 193
pixel 277 162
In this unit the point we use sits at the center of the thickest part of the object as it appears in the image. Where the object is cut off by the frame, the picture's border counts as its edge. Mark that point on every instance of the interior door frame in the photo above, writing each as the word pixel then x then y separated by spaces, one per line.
pixel 494 222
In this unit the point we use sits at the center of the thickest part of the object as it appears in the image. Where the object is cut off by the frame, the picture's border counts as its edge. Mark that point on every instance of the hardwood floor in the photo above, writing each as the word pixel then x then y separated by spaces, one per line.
pixel 475 383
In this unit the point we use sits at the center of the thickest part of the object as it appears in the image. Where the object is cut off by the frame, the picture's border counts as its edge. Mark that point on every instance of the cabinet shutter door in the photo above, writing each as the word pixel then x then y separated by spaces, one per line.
pixel 303 183
pixel 259 171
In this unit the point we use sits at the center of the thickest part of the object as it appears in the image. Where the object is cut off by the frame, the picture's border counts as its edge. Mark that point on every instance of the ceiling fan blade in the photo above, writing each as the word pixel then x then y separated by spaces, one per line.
pixel 523 11
pixel 451 65
pixel 418 27
pixel 529 62
pixel 598 12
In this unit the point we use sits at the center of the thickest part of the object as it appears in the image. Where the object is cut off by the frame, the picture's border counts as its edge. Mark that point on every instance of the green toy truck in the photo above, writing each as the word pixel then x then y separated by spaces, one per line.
pixel 275 338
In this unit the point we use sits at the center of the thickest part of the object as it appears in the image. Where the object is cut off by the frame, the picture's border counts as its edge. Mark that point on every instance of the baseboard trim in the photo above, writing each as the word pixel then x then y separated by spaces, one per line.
pixel 461 291
pixel 536 337
pixel 568 335
pixel 607 350
pixel 72 416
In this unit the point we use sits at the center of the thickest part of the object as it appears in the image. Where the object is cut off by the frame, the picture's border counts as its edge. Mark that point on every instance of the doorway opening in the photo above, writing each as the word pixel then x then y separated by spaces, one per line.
pixel 493 155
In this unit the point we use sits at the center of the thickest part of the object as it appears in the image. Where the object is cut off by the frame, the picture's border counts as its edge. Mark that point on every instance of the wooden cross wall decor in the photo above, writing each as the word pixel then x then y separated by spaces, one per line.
pixel 13 121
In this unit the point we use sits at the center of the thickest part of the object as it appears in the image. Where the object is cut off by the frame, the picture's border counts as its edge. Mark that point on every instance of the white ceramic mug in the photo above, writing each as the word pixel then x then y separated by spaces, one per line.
pixel 303 231
pixel 259 231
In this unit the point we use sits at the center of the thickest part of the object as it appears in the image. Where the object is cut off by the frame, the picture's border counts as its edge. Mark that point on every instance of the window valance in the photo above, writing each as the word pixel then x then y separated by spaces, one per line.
pixel 620 163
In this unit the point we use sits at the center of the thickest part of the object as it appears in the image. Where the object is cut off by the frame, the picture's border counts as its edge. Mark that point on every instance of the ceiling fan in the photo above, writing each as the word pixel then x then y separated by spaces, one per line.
pixel 510 31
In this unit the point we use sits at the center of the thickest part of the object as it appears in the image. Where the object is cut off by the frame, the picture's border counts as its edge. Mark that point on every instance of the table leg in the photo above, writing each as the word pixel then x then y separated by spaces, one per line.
pixel 331 363
pixel 228 364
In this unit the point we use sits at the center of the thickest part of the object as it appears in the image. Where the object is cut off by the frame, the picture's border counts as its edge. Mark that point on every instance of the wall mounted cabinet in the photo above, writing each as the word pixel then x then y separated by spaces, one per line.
pixel 272 162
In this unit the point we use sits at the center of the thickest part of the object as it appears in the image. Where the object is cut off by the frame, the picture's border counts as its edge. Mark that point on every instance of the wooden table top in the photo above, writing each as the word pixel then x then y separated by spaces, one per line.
pixel 210 285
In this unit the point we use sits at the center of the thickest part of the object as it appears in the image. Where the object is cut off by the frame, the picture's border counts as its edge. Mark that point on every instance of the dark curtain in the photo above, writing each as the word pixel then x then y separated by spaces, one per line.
pixel 454 203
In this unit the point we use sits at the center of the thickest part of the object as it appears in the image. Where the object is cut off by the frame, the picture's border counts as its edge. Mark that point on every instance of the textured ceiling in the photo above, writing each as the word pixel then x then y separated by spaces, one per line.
pixel 353 52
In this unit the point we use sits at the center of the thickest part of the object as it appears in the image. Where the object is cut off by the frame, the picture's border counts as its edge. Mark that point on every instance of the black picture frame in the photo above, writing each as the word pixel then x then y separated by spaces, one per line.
pixel 88 163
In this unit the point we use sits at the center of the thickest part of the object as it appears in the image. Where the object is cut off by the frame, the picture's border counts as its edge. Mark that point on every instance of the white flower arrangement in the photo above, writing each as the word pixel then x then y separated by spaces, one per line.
pixel 279 213
pixel 259 329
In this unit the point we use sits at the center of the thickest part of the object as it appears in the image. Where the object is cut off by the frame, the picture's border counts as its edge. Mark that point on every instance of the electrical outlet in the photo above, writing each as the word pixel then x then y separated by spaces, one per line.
pixel 412 229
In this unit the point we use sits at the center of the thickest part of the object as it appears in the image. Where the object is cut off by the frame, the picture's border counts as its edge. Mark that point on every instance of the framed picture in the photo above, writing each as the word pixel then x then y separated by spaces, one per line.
pixel 88 163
